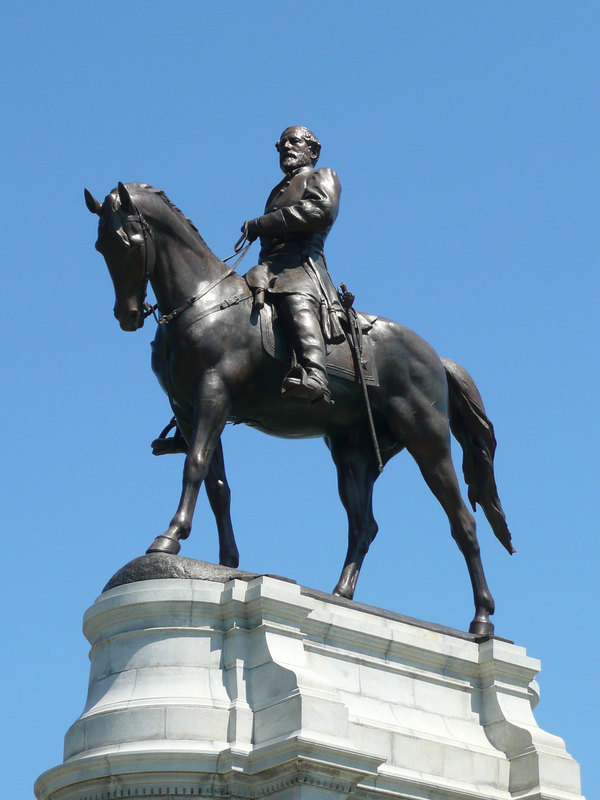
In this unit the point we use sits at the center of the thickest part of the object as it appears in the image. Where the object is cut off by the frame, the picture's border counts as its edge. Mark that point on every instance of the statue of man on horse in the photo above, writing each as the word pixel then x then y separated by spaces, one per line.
pixel 299 213
pixel 209 356
pixel 292 271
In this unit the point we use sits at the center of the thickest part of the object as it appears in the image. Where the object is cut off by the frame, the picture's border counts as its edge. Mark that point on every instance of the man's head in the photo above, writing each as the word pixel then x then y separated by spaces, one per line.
pixel 297 147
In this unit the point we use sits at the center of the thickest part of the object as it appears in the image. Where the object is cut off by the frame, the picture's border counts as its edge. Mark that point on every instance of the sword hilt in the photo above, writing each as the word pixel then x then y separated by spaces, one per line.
pixel 346 297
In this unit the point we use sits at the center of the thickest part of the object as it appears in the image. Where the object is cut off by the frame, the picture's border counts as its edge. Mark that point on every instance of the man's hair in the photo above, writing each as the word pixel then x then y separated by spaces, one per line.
pixel 308 137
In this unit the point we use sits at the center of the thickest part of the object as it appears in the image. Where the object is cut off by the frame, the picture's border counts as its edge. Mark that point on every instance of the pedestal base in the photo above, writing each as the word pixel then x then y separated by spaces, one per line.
pixel 250 686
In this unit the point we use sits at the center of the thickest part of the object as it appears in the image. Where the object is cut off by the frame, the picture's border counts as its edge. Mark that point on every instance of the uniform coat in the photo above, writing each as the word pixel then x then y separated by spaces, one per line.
pixel 299 214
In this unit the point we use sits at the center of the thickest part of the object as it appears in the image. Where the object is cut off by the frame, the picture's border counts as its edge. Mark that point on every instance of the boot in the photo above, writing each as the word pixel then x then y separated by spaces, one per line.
pixel 308 380
pixel 165 445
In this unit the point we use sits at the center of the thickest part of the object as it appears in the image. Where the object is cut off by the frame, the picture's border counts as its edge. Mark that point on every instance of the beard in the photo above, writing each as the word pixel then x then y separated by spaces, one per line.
pixel 291 161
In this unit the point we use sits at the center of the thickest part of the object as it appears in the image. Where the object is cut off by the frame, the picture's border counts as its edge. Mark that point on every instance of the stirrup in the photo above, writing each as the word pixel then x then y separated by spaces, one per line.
pixel 166 445
pixel 299 385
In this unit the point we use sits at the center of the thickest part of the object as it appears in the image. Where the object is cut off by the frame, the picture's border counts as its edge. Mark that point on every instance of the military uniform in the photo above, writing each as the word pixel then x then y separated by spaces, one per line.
pixel 299 214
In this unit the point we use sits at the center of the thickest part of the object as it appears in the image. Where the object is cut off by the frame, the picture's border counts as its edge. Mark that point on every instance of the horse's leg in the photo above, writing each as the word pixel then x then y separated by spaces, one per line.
pixel 357 472
pixel 215 483
pixel 210 415
pixel 219 497
pixel 431 451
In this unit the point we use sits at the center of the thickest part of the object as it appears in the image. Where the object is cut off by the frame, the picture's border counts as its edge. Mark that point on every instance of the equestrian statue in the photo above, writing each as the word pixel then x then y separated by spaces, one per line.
pixel 279 349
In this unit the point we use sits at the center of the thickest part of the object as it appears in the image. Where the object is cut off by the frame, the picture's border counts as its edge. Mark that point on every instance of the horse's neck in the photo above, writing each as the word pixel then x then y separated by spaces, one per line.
pixel 183 270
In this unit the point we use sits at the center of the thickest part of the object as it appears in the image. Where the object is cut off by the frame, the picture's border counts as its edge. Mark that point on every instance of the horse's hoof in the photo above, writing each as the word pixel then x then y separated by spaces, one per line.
pixel 346 594
pixel 481 627
pixel 229 561
pixel 164 544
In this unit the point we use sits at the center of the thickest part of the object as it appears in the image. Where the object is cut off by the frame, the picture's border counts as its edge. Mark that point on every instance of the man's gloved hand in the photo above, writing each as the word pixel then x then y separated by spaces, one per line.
pixel 250 229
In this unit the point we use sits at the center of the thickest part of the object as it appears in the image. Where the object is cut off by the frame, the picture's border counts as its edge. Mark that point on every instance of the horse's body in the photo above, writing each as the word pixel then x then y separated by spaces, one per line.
pixel 210 360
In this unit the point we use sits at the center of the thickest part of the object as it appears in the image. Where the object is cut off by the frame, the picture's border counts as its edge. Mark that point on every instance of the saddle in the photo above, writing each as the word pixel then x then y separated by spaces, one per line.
pixel 340 360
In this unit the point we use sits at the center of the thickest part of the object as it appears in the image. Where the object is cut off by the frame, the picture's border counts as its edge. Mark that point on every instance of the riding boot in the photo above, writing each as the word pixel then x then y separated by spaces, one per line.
pixel 165 445
pixel 308 380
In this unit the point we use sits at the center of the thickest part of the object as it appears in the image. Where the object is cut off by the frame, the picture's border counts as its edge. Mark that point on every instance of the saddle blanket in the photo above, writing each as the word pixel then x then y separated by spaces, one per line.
pixel 340 361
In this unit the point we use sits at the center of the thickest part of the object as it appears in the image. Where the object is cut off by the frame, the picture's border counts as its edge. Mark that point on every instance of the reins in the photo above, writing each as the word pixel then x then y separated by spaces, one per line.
pixel 238 247
pixel 166 318
pixel 238 250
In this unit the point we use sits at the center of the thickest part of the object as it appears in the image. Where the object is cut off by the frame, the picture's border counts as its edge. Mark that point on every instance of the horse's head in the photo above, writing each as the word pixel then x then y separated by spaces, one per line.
pixel 126 242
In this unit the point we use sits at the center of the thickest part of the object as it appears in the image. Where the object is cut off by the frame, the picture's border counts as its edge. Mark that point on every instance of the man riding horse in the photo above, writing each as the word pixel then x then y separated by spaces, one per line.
pixel 299 213
pixel 213 365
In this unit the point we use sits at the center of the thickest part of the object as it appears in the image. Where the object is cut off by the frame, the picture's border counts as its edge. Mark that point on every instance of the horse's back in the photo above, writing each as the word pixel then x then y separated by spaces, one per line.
pixel 412 396
pixel 400 352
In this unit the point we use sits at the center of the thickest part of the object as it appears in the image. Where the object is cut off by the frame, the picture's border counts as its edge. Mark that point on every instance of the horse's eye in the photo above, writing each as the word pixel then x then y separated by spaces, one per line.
pixel 122 236
pixel 136 239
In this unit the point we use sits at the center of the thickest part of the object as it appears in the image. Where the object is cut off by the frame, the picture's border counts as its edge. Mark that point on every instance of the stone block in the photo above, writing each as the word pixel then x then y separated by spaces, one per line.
pixel 252 686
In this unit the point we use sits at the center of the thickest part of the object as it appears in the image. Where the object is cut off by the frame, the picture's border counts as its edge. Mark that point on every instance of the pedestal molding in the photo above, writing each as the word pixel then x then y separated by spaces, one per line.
pixel 253 687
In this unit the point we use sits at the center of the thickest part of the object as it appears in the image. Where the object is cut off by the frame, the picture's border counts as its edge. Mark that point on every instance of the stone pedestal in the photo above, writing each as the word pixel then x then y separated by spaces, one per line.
pixel 250 686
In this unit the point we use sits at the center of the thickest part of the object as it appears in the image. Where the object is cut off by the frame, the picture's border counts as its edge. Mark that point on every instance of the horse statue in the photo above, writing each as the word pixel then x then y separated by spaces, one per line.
pixel 208 356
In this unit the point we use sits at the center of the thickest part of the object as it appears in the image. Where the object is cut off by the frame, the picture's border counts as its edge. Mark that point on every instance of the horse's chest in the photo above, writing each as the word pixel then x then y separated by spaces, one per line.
pixel 180 359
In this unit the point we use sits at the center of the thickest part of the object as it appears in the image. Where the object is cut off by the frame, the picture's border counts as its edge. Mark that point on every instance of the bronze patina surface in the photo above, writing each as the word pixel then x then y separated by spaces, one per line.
pixel 208 357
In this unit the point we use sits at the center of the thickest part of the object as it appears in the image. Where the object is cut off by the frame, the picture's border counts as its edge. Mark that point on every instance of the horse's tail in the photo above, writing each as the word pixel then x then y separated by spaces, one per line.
pixel 475 433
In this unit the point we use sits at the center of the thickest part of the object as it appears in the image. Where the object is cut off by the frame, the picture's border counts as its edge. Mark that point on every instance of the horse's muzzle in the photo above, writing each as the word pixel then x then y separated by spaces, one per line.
pixel 132 320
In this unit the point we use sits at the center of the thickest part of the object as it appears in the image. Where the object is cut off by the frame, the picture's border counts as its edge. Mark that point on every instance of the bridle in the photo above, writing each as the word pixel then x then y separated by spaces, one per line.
pixel 148 242
pixel 240 249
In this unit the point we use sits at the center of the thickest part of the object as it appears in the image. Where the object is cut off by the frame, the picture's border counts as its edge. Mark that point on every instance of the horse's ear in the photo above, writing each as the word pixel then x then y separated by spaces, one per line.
pixel 93 205
pixel 125 198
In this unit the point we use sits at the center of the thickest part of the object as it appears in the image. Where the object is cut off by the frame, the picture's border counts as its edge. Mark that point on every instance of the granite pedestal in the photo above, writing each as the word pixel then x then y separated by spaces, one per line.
pixel 224 684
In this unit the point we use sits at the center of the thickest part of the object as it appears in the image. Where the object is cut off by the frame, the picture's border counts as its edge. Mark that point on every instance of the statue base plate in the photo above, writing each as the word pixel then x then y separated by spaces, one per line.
pixel 227 684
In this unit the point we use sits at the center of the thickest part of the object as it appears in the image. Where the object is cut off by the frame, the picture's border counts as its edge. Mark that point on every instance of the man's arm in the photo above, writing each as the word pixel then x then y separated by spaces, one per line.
pixel 314 212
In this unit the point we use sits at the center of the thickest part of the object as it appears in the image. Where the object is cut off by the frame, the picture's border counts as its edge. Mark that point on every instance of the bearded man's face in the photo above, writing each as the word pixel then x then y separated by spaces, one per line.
pixel 294 150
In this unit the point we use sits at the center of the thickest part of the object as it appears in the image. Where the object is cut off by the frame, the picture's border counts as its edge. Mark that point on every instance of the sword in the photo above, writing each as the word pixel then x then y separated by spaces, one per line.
pixel 332 328
pixel 347 300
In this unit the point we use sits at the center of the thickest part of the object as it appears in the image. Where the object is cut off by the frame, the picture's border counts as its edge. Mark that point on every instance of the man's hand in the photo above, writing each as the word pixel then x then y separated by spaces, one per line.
pixel 250 229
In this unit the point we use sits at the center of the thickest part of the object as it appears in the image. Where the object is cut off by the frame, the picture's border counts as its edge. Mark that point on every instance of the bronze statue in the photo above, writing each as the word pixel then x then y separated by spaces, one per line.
pixel 209 356
pixel 299 214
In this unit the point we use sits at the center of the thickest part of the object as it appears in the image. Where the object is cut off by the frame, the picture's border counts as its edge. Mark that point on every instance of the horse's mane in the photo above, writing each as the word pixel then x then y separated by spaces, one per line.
pixel 146 187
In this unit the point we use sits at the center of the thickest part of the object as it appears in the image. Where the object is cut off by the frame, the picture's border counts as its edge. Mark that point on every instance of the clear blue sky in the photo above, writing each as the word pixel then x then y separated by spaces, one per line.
pixel 465 135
